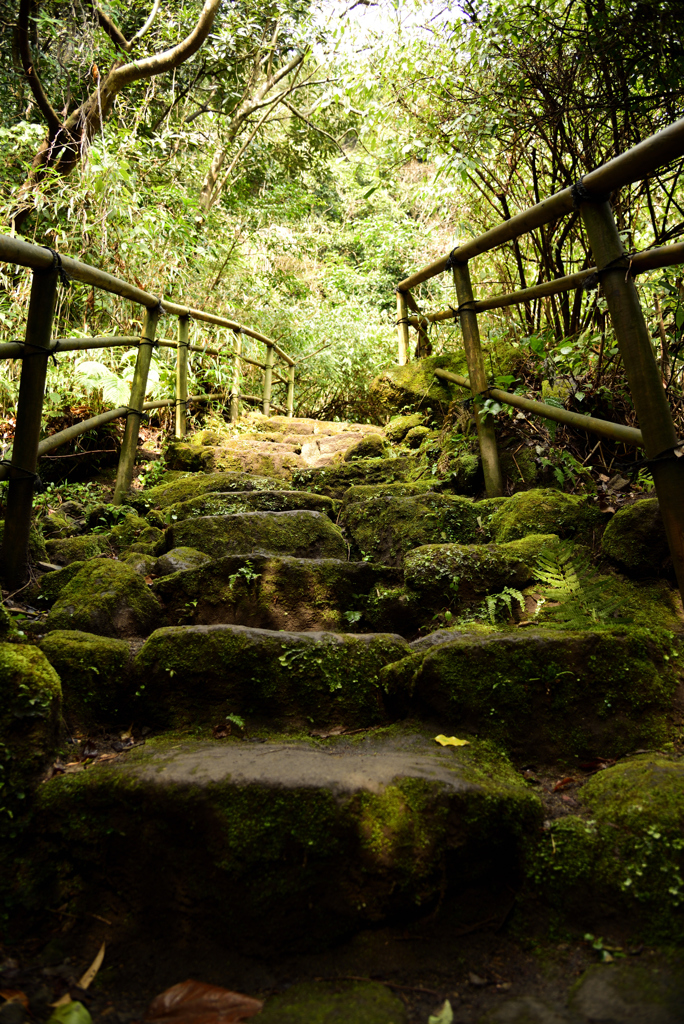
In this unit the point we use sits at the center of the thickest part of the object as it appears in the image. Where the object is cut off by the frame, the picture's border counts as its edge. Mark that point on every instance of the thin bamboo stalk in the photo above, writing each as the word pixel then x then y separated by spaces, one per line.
pixel 643 374
pixel 124 474
pixel 234 396
pixel 636 163
pixel 268 375
pixel 182 376
pixel 604 428
pixel 402 329
pixel 478 380
pixel 290 392
pixel 15 541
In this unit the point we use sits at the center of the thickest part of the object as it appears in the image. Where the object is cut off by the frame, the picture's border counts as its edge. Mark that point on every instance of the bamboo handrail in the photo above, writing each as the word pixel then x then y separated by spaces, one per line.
pixel 636 163
pixel 614 431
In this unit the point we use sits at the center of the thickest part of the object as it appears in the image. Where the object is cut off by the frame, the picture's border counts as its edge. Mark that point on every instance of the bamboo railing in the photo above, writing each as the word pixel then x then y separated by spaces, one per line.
pixel 48 267
pixel 615 270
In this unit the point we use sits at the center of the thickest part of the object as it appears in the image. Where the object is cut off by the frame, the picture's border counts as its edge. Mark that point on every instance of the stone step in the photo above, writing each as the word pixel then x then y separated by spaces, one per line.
pixel 302 533
pixel 277 843
pixel 287 593
pixel 197 675
pixel 216 503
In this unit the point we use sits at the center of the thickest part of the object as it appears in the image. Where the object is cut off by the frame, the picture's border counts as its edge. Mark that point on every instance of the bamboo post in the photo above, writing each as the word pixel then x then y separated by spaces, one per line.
pixel 182 376
pixel 235 391
pixel 402 328
pixel 22 474
pixel 478 380
pixel 268 379
pixel 643 375
pixel 130 442
pixel 290 391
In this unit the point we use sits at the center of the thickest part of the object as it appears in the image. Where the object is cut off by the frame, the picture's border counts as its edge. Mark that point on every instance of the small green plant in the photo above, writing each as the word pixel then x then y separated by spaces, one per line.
pixel 503 602
pixel 245 574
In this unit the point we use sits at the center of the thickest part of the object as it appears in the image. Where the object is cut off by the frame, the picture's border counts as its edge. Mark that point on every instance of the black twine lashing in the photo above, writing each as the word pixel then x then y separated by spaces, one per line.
pixel 58 266
pixel 581 194
pixel 452 261
pixel 26 473
pixel 618 262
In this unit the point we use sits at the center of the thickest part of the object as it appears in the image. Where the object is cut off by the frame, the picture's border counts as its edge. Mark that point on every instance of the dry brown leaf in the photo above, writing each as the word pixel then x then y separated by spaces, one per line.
pixel 14 995
pixel 89 975
pixel 193 1002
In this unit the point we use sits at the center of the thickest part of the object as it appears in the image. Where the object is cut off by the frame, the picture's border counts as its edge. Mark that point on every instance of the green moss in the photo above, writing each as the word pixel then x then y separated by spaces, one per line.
pixel 30 704
pixel 107 598
pixel 361 492
pixel 628 853
pixel 214 504
pixel 188 457
pixel 51 584
pixel 302 534
pixel 93 671
pixel 545 694
pixel 519 467
pixel 384 528
pixel 199 673
pixel 416 436
pixel 635 540
pixel 399 426
pixel 544 510
pixel 414 385
pixel 140 562
pixel 37 549
pixel 460 575
pixel 371 446
pixel 134 530
pixel 353 1002
pixel 74 549
pixel 334 480
pixel 186 487
pixel 530 547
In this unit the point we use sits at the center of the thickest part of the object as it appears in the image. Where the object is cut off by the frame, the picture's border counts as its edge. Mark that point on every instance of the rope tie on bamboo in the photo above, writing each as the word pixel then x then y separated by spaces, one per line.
pixel 468 305
pixel 57 265
pixel 581 194
pixel 38 350
pixel 452 261
pixel 148 341
pixel 24 474
pixel 625 261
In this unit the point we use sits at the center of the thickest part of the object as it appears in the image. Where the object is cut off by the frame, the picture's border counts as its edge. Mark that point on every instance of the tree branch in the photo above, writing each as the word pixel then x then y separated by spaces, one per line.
pixel 53 122
pixel 305 119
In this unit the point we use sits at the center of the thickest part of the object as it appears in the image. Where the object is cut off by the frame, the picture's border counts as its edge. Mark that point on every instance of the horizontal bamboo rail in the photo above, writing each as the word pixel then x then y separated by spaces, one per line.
pixel 636 163
pixel 640 263
pixel 604 428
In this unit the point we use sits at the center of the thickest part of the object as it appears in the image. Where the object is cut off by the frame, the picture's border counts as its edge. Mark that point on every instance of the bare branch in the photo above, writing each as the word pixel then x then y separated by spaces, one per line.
pixel 305 119
pixel 148 24
pixel 53 122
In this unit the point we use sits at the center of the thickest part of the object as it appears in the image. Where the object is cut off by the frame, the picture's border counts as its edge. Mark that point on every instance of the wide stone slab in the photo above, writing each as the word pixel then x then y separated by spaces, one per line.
pixel 191 485
pixel 280 593
pixel 302 534
pixel 201 674
pixel 279 845
pixel 548 694
pixel 230 503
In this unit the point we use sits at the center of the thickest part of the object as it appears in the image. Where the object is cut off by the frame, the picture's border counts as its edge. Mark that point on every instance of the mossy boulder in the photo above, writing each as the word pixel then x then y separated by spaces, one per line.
pixel 279 845
pixel 632 992
pixel 361 492
pixel 51 584
pixel 94 674
pixel 140 562
pixel 414 386
pixel 202 673
pixel 179 560
pixel 458 576
pixel 74 549
pixel 334 480
pixel 37 550
pixel 625 852
pixel 544 510
pixel 214 504
pixel 188 456
pixel 320 1002
pixel 416 435
pixel 634 540
pixel 30 708
pixel 282 593
pixel 107 598
pixel 399 426
pixel 385 527
pixel 58 524
pixel 302 534
pixel 542 694
pixel 372 446
pixel 132 532
pixel 184 487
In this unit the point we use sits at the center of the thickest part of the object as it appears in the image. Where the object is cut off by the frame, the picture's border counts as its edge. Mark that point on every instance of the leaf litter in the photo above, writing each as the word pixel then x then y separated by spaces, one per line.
pixel 194 1002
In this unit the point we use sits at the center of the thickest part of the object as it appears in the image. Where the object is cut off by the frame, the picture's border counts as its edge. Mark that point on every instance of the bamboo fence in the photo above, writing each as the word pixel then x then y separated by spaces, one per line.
pixel 48 268
pixel 615 270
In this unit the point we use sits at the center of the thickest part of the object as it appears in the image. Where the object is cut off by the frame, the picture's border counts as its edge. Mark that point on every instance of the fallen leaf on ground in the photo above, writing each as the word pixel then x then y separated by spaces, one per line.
pixel 443 1016
pixel 475 979
pixel 193 1002
pixel 451 741
pixel 89 975
pixel 12 995
pixel 71 1013
pixel 324 734
pixel 564 783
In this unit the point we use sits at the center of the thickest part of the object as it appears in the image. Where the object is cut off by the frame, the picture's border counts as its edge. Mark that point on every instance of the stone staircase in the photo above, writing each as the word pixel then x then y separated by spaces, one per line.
pixel 288 641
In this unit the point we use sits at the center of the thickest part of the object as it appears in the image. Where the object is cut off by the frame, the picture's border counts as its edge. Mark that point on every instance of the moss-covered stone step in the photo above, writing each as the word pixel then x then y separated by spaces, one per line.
pixel 282 593
pixel 102 596
pixel 183 486
pixel 277 843
pixel 96 677
pixel 302 534
pixel 200 674
pixel 550 695
pixel 229 503
pixel 621 851
pixel 635 541
pixel 337 478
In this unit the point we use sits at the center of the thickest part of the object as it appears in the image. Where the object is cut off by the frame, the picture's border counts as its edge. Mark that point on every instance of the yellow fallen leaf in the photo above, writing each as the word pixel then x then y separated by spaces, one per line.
pixel 451 741
pixel 89 975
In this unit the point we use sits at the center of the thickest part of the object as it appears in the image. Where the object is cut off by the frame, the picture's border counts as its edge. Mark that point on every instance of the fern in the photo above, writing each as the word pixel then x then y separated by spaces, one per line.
pixel 556 570
pixel 576 596
pixel 495 602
